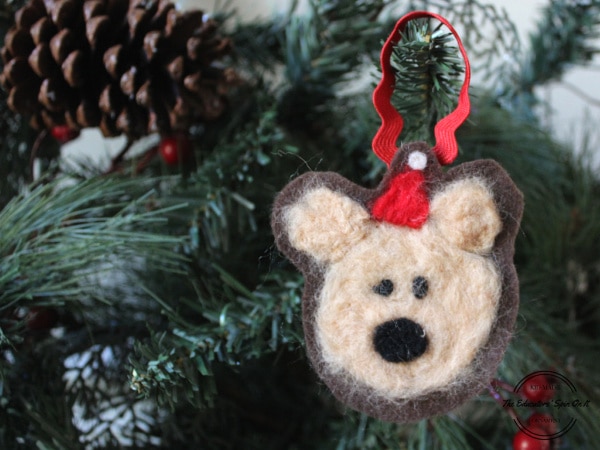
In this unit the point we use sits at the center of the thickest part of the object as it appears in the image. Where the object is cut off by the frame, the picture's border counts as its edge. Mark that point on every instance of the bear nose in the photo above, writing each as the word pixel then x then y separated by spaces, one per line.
pixel 400 340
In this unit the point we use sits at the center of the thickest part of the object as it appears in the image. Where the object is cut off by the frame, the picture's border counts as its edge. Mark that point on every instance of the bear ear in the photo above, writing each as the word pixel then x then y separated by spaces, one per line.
pixel 325 223
pixel 466 215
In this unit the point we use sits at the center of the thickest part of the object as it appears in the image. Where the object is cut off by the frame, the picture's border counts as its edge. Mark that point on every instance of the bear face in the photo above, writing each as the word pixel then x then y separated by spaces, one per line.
pixel 404 322
pixel 390 321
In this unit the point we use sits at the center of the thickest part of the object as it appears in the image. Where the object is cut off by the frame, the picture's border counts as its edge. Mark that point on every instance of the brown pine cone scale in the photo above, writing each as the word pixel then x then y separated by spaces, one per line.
pixel 129 67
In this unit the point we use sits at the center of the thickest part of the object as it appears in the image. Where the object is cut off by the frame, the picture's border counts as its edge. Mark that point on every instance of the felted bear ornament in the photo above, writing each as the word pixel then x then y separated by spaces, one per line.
pixel 410 290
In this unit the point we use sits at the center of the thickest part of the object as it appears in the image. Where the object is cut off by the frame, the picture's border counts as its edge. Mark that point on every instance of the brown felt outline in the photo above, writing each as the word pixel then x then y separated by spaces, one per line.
pixel 509 201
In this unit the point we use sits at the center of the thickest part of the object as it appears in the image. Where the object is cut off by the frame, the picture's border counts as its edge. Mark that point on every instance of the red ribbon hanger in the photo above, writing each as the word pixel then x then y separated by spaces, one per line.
pixel 384 142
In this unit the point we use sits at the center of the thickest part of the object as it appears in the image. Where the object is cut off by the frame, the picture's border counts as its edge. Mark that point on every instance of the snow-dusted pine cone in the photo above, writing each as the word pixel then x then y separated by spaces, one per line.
pixel 127 66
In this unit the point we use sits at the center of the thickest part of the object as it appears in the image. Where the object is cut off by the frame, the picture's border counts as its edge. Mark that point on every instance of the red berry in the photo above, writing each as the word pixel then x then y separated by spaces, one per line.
pixel 175 148
pixel 543 421
pixel 63 133
pixel 523 441
pixel 538 388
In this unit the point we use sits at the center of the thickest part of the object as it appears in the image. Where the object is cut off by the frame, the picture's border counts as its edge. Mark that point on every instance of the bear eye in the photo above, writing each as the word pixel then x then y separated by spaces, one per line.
pixel 420 286
pixel 384 288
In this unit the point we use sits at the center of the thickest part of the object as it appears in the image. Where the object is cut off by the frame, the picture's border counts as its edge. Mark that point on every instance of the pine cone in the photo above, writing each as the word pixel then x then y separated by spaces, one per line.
pixel 127 66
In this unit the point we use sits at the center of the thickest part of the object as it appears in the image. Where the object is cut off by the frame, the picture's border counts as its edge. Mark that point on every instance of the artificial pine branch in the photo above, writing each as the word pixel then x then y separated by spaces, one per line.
pixel 58 240
pixel 323 49
pixel 63 232
pixel 335 36
pixel 215 318
pixel 244 325
pixel 489 34
pixel 564 37
pixel 427 67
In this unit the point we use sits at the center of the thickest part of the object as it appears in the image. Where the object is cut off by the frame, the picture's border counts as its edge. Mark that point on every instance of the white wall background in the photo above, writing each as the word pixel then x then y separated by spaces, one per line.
pixel 568 115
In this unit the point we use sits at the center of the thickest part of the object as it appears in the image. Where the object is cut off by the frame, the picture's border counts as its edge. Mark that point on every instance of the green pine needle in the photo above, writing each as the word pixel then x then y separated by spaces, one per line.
pixel 427 67
pixel 57 238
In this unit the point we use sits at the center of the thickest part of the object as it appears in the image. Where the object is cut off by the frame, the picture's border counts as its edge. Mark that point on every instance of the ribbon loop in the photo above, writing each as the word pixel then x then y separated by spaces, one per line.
pixel 384 142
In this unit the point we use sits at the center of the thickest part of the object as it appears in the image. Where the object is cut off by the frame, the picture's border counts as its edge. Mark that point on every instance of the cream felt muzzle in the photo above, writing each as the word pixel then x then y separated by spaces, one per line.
pixel 405 321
